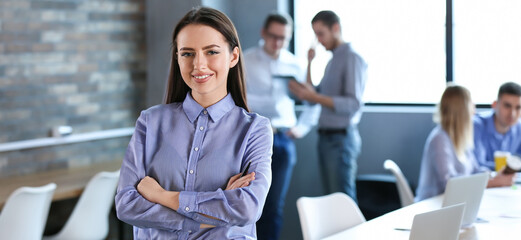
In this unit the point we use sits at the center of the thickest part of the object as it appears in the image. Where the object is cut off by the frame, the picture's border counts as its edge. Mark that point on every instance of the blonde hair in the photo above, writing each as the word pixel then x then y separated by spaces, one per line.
pixel 455 117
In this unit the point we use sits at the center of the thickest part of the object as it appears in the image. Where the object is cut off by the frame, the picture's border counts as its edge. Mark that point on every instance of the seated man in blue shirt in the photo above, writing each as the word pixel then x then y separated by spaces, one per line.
pixel 499 130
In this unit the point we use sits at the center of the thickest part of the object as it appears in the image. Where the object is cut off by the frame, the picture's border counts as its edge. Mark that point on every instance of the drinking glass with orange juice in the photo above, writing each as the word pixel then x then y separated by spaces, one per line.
pixel 500 159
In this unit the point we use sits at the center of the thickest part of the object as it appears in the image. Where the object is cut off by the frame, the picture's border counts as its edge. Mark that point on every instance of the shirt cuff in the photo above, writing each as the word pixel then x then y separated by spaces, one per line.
pixel 188 207
pixel 191 225
pixel 301 130
pixel 187 204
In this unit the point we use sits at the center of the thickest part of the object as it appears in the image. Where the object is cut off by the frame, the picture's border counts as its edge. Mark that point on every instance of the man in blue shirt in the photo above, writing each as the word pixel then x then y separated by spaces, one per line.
pixel 269 67
pixel 499 130
pixel 340 94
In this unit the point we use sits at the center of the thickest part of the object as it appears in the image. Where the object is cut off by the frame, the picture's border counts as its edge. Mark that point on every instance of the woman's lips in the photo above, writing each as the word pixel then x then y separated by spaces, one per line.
pixel 201 78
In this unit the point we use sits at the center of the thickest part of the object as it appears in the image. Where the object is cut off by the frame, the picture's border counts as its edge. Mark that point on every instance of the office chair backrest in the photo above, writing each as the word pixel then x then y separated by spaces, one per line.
pixel 89 219
pixel 25 212
pixel 404 190
pixel 326 215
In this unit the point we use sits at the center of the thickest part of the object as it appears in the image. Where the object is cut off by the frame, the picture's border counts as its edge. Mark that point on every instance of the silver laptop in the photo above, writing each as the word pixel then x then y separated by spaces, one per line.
pixel 469 190
pixel 438 224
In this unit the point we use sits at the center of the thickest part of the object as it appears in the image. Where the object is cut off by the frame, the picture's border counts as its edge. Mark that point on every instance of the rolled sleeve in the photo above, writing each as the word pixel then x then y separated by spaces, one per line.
pixel 346 105
pixel 354 84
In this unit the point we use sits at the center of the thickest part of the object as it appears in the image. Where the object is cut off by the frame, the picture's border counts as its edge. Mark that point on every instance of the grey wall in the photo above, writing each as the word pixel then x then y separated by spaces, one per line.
pixel 396 133
pixel 248 17
pixel 161 18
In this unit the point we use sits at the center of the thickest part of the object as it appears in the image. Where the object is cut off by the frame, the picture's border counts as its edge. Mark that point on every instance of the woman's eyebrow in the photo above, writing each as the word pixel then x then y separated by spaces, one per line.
pixel 204 48
pixel 211 46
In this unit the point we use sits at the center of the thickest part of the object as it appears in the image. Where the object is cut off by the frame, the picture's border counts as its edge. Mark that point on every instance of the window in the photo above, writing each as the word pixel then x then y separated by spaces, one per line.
pixel 487 49
pixel 403 42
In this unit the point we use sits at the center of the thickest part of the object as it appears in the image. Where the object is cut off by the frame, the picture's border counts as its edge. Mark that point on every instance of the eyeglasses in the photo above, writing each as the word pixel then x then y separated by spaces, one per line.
pixel 275 37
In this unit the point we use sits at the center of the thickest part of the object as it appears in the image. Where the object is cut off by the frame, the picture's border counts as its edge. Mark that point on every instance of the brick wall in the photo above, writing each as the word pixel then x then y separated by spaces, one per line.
pixel 69 62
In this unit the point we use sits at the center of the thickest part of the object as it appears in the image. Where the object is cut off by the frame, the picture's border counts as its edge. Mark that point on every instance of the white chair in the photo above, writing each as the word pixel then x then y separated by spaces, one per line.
pixel 25 212
pixel 404 190
pixel 326 215
pixel 90 217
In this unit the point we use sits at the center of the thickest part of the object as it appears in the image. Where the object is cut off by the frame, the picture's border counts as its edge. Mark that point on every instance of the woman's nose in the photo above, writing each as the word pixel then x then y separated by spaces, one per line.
pixel 199 61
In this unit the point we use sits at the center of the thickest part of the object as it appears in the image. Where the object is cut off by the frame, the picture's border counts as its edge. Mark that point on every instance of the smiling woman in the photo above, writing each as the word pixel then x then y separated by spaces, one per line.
pixel 181 176
pixel 221 24
pixel 205 62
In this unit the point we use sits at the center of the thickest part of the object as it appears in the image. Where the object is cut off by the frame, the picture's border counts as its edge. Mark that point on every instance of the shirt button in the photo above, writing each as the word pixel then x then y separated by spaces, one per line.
pixel 196 149
pixel 201 128
pixel 189 231
pixel 191 171
pixel 187 209
pixel 205 112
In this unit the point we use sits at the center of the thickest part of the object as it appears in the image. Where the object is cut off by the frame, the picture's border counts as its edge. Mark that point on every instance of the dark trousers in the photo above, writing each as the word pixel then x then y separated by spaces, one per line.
pixel 283 162
pixel 338 152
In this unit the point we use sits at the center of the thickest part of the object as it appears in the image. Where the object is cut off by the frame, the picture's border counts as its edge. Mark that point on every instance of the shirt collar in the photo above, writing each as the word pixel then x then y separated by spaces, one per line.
pixel 192 109
pixel 264 55
pixel 491 127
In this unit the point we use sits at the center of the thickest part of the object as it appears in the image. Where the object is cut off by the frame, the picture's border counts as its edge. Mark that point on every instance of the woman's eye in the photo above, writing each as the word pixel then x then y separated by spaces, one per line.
pixel 186 54
pixel 212 52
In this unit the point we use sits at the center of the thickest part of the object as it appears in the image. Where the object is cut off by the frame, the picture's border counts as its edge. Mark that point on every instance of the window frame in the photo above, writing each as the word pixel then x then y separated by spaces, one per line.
pixel 449 54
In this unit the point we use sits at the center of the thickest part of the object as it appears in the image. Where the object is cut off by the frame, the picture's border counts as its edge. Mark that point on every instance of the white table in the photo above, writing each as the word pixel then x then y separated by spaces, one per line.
pixel 500 207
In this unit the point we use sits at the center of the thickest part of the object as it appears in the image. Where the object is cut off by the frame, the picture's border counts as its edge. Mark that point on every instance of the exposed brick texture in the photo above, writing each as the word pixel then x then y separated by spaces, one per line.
pixel 69 62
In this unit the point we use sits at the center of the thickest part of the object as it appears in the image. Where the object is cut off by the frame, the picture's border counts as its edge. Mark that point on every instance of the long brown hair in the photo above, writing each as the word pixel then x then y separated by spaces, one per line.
pixel 176 88
pixel 455 117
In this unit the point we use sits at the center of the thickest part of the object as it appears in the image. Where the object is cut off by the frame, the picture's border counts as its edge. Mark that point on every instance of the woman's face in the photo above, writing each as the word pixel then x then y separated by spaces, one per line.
pixel 204 58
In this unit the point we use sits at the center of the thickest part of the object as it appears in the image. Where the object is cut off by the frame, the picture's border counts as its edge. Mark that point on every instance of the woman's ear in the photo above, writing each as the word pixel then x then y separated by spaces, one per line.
pixel 235 57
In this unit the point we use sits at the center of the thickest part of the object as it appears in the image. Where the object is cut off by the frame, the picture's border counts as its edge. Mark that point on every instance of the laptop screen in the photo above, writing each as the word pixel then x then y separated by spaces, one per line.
pixel 469 190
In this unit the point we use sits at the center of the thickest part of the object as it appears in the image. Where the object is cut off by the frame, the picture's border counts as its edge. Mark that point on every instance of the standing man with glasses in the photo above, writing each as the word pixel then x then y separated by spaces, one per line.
pixel 269 68
pixel 340 94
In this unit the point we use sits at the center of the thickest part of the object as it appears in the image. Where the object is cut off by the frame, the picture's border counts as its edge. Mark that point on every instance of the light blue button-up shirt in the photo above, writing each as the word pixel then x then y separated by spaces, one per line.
pixel 440 163
pixel 344 81
pixel 487 139
pixel 194 150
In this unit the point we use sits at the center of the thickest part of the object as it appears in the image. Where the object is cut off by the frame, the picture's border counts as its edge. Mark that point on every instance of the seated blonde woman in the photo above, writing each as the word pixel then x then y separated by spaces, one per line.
pixel 448 150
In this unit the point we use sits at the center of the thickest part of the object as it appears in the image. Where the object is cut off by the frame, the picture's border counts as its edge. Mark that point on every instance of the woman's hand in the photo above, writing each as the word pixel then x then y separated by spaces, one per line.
pixel 238 182
pixel 150 189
